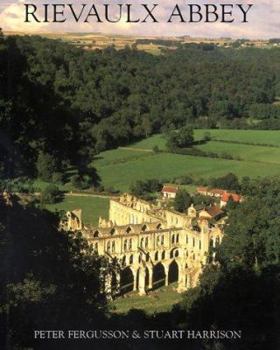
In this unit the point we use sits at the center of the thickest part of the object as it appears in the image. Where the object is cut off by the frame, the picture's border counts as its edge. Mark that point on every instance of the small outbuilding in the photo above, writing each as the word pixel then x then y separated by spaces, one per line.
pixel 227 196
pixel 169 191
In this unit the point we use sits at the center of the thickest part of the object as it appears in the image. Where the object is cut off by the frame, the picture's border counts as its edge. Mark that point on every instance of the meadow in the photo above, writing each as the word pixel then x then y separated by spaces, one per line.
pixel 244 152
pixel 120 168
pixel 160 300
pixel 259 137
pixel 92 207
pixel 264 137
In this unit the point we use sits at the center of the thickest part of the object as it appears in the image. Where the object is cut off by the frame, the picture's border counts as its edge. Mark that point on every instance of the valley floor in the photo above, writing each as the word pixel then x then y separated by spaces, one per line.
pixel 255 153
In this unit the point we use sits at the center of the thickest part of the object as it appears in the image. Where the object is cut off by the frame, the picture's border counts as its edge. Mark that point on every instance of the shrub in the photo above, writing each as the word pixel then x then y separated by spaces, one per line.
pixel 81 182
pixel 46 166
pixel 180 139
pixel 182 201
pixel 184 180
pixel 51 194
pixel 111 189
pixel 228 182
pixel 156 149
pixel 57 177
pixel 143 188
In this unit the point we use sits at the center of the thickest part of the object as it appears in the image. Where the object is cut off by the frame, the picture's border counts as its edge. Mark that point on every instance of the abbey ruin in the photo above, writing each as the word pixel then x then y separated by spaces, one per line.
pixel 153 245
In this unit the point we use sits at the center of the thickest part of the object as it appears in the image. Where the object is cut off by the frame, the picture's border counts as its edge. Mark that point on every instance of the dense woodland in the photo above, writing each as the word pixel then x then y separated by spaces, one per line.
pixel 69 104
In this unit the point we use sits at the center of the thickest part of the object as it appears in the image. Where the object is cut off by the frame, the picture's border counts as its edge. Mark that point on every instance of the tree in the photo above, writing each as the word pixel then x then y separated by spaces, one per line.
pixel 182 201
pixel 42 271
pixel 184 180
pixel 147 126
pixel 228 182
pixel 57 177
pixel 117 97
pixel 253 306
pixel 46 166
pixel 51 194
pixel 75 181
pixel 252 239
pixel 248 257
pixel 146 188
pixel 180 139
pixel 87 177
pixel 199 199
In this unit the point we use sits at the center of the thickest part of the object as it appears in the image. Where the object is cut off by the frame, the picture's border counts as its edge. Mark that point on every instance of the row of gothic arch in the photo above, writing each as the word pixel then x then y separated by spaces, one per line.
pixel 154 278
pixel 158 256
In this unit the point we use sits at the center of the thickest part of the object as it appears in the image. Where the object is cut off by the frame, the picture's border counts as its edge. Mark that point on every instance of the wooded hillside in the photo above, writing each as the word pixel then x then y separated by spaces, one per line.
pixel 71 104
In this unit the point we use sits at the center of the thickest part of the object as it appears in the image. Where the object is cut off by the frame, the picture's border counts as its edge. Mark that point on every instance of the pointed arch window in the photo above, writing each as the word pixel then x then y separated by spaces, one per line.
pixel 146 242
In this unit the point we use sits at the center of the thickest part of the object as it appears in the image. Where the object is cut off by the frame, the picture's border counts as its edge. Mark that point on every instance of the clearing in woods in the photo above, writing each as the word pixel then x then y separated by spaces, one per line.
pixel 255 153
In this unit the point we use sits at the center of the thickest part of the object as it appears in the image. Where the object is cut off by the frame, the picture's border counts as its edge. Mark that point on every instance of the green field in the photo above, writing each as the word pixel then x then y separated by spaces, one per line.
pixel 245 152
pixel 166 166
pixel 92 207
pixel 159 300
pixel 266 137
pixel 155 140
pixel 119 156
pixel 122 167
pixel 271 137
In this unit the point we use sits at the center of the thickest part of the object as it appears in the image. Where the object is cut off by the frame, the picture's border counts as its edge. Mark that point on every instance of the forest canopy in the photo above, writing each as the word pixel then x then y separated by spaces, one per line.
pixel 70 104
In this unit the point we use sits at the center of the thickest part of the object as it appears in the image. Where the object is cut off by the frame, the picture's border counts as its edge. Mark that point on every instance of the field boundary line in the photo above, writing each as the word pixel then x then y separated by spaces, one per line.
pixel 246 143
pixel 137 149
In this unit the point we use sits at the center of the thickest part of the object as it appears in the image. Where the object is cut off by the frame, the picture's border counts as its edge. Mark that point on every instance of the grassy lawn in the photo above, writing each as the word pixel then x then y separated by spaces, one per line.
pixel 92 207
pixel 271 137
pixel 159 300
pixel 122 167
pixel 167 166
pixel 118 156
pixel 246 152
pixel 155 140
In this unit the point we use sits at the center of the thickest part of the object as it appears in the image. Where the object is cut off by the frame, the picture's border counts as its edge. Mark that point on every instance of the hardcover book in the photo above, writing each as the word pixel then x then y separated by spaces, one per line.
pixel 139 174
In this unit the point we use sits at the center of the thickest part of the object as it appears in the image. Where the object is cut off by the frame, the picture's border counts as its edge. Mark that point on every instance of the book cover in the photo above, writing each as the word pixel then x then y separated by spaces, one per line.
pixel 139 174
